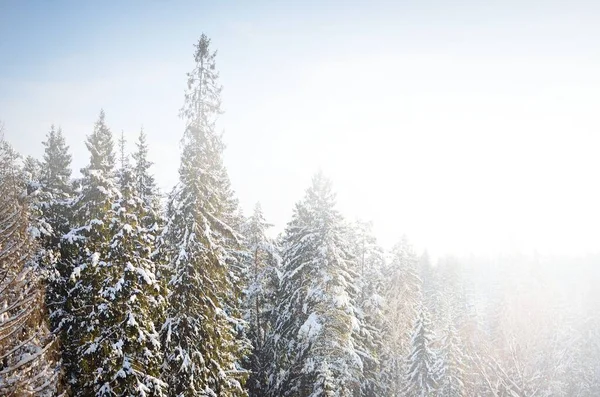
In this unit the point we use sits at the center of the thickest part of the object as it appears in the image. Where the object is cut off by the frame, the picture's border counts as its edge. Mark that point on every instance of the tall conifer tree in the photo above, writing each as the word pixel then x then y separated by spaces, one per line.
pixel 421 376
pixel 314 335
pixel 262 262
pixel 146 185
pixel 88 247
pixel 452 365
pixel 370 336
pixel 402 293
pixel 56 193
pixel 201 332
pixel 132 303
pixel 53 206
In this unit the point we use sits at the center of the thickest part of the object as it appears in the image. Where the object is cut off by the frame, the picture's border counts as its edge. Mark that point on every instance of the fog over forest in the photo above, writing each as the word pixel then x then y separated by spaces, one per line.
pixel 368 200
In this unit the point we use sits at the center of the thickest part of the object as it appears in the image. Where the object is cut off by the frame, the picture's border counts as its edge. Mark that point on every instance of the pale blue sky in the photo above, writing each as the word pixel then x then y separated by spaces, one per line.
pixel 471 125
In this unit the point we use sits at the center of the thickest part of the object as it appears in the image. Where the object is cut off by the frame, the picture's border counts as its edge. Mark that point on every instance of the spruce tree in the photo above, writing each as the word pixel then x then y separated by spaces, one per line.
pixel 32 172
pixel 402 296
pixel 26 344
pixel 124 167
pixel 54 200
pixel 56 187
pixel 56 165
pixel 314 337
pixel 87 248
pixel 452 364
pixel 370 338
pixel 128 341
pixel 421 374
pixel 145 183
pixel 453 322
pixel 147 188
pixel 56 193
pixel 430 286
pixel 262 262
pixel 200 336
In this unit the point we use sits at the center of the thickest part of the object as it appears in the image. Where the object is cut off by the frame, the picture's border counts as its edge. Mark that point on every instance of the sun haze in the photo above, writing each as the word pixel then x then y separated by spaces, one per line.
pixel 466 127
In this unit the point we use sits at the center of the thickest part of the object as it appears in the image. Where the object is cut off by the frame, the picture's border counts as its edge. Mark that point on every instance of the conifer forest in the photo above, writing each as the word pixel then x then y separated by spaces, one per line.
pixel 111 286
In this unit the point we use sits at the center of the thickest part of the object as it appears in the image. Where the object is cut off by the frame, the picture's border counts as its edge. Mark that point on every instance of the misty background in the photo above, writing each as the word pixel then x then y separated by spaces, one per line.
pixel 470 127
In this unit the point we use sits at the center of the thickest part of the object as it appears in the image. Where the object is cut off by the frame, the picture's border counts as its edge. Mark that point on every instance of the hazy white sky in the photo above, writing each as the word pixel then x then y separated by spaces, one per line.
pixel 471 127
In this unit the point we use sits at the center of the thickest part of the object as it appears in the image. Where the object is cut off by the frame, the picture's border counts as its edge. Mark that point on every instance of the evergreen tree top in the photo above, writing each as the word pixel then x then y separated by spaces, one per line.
pixel 203 94
pixel 421 365
pixel 142 148
pixel 56 165
pixel 317 209
pixel 321 194
pixel 257 226
pixel 141 154
pixel 124 157
pixel 146 184
pixel 202 173
pixel 101 147
pixel 125 173
pixel 404 249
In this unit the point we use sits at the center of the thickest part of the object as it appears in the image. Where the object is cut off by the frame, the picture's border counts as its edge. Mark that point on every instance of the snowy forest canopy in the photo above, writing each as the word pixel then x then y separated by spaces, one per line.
pixel 110 287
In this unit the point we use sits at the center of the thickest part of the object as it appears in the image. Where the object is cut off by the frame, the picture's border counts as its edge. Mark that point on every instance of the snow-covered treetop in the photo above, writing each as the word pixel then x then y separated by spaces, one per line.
pixel 203 94
pixel 256 228
pixel 146 185
pixel 101 147
pixel 56 170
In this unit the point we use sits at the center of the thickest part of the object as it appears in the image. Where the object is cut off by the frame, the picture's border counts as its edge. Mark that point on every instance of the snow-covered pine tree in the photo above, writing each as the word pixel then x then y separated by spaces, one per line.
pixel 262 262
pixel 56 164
pixel 55 194
pixel 421 376
pixel 124 166
pixel 402 293
pixel 87 248
pixel 146 185
pixel 370 259
pixel 313 338
pixel 25 341
pixel 56 187
pixel 430 286
pixel 455 325
pixel 127 347
pixel 152 215
pixel 32 170
pixel 453 364
pixel 201 334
